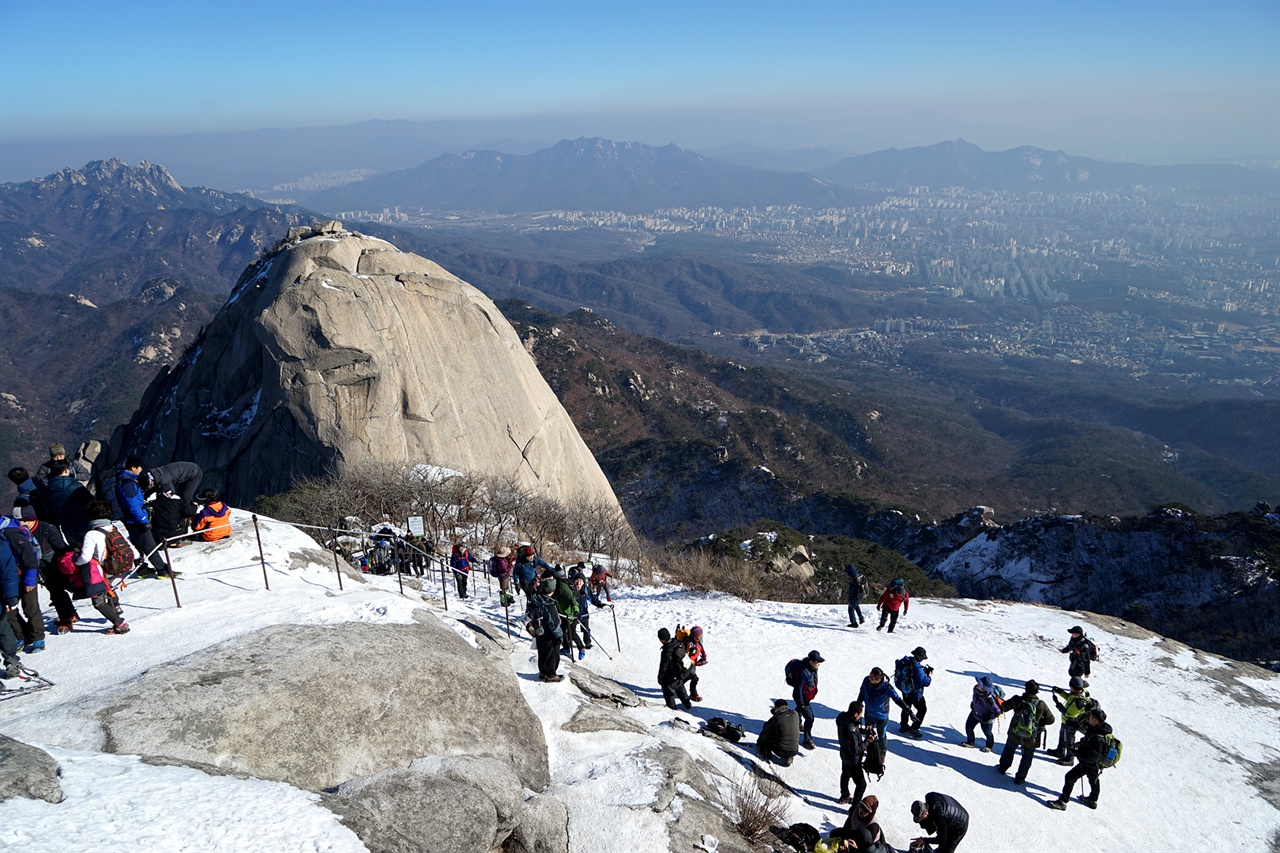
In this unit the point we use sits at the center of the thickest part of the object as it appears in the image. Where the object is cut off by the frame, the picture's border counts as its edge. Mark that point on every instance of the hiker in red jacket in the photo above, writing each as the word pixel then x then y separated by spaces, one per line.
pixel 895 596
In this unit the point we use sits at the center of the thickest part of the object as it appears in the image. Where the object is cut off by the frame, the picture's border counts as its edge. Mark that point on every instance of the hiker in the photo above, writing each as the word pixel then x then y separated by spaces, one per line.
pixel 567 607
pixel 169 517
pixel 865 841
pixel 583 597
pixel 1030 716
pixel 942 816
pixel 129 494
pixel 460 561
pixel 65 502
pixel 983 709
pixel 912 676
pixel 213 522
pixel 600 585
pixel 17 551
pixel 181 478
pixel 894 597
pixel 11 570
pixel 49 542
pixel 29 491
pixel 852 734
pixel 500 568
pixel 697 655
pixel 802 693
pixel 855 596
pixel 1074 710
pixel 1089 753
pixel 76 468
pixel 527 568
pixel 1082 652
pixel 779 739
pixel 544 623
pixel 863 816
pixel 88 564
pixel 671 671
pixel 875 693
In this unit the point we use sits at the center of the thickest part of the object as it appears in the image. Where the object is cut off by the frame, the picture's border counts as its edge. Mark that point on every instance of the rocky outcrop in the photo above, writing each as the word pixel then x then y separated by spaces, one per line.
pixel 26 771
pixel 308 705
pixel 338 350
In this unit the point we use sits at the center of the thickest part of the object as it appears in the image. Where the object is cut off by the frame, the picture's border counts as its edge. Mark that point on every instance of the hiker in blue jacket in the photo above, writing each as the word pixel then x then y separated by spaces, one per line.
pixel 912 677
pixel 131 495
pixel 855 596
pixel 875 693
pixel 526 568
pixel 802 694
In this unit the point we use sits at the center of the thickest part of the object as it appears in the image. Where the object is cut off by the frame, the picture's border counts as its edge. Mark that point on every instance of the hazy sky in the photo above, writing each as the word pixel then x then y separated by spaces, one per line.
pixel 1109 79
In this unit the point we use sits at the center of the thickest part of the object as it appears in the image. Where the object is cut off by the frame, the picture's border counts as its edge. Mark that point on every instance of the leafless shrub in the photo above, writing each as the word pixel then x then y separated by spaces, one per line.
pixel 704 571
pixel 756 805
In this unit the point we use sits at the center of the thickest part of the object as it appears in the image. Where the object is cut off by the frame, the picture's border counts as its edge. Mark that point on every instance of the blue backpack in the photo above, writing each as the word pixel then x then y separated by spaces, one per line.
pixel 904 674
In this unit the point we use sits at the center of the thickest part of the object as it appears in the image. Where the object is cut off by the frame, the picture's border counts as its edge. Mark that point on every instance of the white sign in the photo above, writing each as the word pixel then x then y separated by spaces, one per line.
pixel 415 525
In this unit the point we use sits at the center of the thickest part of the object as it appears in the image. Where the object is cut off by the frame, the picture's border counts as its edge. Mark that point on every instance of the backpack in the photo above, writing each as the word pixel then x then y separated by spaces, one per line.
pixel 1111 757
pixel 904 675
pixel 1092 648
pixel 1024 720
pixel 119 558
pixel 899 586
pixel 792 672
pixel 801 837
pixel 734 732
pixel 873 760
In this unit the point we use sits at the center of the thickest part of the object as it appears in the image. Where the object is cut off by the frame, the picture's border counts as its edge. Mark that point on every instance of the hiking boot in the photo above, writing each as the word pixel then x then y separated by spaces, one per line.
pixel 879 627
pixel 35 646
pixel 1001 770
pixel 172 573
pixel 64 627
pixel 1057 805
pixel 1093 804
pixel 809 744
pixel 1066 762
pixel 18 647
pixel 968 745
pixel 985 749
pixel 845 800
pixel 582 654
pixel 146 574
pixel 12 670
pixel 696 698
pixel 1021 781
pixel 122 628
pixel 1056 752
pixel 554 678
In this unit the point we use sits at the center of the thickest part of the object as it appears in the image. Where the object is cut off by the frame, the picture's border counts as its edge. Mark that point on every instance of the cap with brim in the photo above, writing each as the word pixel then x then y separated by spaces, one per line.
pixel 815 657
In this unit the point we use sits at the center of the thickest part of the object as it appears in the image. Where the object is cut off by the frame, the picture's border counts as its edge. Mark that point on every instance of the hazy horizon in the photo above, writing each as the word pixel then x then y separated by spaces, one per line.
pixel 171 82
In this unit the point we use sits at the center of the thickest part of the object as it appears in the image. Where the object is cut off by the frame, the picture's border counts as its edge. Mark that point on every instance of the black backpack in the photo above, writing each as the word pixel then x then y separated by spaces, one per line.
pixel 792 671
pixel 873 761
pixel 802 837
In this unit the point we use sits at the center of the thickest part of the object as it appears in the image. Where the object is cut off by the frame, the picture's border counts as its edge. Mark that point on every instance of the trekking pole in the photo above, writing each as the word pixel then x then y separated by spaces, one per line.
pixel 594 644
pixel 261 558
pixel 507 609
pixel 336 570
pixel 445 568
pixel 172 579
pixel 399 574
pixel 616 635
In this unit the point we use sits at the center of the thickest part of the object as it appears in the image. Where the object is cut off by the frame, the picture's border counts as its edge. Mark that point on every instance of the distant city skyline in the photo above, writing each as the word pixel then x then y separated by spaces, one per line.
pixel 1143 81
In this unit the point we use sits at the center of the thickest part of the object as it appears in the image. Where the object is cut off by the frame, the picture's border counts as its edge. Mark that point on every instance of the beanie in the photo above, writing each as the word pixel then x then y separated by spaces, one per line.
pixel 57 450
pixel 664 635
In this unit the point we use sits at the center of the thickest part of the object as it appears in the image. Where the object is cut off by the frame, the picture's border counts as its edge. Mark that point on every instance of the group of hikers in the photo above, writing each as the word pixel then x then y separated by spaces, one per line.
pixel 1085 741
pixel 558 602
pixel 62 535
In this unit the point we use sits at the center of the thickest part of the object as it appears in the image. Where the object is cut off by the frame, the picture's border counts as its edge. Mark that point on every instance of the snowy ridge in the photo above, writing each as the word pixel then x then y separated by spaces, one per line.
pixel 1199 731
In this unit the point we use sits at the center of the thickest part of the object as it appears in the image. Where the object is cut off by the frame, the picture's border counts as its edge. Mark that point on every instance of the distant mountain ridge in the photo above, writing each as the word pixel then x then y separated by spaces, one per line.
pixel 584 174
pixel 106 230
pixel 961 163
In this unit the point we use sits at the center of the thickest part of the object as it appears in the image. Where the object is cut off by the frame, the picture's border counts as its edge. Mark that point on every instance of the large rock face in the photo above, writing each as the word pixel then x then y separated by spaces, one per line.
pixel 340 349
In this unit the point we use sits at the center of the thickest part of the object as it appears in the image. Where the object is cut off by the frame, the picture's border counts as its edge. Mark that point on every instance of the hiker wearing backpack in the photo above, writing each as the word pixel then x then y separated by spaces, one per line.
pixel 802 675
pixel 527 568
pixel 500 567
pixel 544 624
pixel 49 542
pixel 1074 708
pixel 18 551
pixel 854 736
pixel 88 565
pixel 875 693
pixel 856 590
pixel 583 596
pixel 697 656
pixel 779 739
pixel 985 707
pixel 672 672
pixel 1082 652
pixel 65 502
pixel 460 561
pixel 894 598
pixel 911 676
pixel 567 606
pixel 130 494
pixel 945 818
pixel 1091 753
pixel 11 570
pixel 1030 717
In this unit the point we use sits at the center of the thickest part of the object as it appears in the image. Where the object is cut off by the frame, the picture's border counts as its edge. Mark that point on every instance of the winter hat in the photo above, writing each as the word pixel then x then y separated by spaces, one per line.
pixel 1032 688
pixel 695 632
pixel 1075 629
pixel 986 683
pixel 869 806
pixel 57 450
pixel 815 657
pixel 920 654
pixel 1077 683
pixel 664 635
pixel 861 837
pixel 548 585
pixel 779 704
pixel 504 551
pixel 1100 714
pixel 917 809
pixel 26 513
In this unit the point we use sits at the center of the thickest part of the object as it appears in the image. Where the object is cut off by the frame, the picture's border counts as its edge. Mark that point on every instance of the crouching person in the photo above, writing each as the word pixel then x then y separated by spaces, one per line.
pixel 780 736
pixel 87 579
pixel 945 818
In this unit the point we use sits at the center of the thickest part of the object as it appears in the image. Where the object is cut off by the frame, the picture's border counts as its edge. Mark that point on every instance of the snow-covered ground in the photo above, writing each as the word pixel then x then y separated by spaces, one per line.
pixel 1201 735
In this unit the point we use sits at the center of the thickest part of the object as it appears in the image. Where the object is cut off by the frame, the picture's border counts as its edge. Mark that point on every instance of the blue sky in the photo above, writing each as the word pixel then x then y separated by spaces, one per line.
pixel 1106 79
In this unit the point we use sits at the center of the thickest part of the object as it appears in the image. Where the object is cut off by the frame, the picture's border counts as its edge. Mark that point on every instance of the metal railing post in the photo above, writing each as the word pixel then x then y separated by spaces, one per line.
pixel 261 558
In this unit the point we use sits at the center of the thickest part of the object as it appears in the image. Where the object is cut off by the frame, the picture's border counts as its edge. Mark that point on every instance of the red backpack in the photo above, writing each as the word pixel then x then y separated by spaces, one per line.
pixel 119 558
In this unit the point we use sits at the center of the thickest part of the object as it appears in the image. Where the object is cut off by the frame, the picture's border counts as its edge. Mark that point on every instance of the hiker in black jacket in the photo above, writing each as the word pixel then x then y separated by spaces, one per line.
pixel 1089 752
pixel 1080 650
pixel 853 748
pixel 942 816
pixel 672 673
pixel 780 735
pixel 855 596
pixel 1037 718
